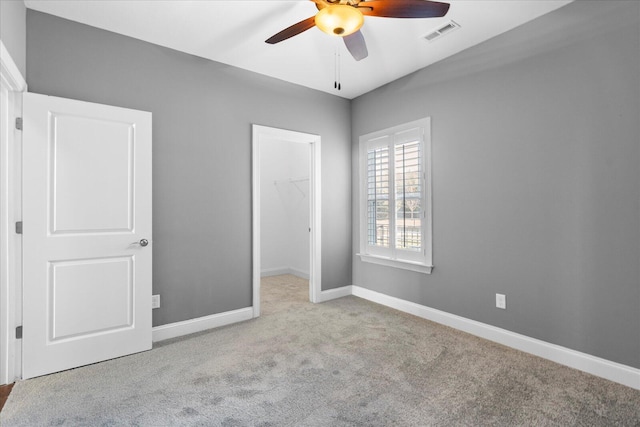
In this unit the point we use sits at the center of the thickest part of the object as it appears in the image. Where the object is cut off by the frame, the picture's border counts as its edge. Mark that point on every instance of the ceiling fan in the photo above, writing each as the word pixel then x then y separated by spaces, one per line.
pixel 344 18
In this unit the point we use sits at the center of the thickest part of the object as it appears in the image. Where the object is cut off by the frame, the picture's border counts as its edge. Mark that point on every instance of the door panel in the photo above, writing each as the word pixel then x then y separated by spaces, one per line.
pixel 84 170
pixel 106 288
pixel 86 205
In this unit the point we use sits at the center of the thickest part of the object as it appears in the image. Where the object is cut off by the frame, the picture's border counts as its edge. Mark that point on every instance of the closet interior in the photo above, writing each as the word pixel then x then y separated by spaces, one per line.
pixel 285 208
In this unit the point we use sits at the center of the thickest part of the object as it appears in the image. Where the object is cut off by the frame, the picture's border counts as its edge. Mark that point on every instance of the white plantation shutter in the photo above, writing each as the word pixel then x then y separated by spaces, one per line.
pixel 408 192
pixel 378 196
pixel 396 222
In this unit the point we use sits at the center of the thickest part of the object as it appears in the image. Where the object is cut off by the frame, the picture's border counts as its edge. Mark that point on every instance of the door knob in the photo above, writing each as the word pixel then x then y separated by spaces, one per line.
pixel 144 242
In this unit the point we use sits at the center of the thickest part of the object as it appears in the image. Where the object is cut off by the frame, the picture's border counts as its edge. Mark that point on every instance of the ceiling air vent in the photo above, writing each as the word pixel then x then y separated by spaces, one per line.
pixel 441 31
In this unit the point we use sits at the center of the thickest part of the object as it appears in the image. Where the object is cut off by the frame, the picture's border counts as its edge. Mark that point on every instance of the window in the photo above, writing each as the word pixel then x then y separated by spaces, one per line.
pixel 396 196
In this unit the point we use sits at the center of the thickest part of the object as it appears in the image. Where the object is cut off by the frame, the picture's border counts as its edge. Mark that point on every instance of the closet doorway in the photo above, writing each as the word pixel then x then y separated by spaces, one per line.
pixel 286 208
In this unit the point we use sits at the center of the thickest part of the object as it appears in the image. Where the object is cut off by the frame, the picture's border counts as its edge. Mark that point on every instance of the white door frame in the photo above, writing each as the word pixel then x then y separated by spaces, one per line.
pixel 12 85
pixel 263 134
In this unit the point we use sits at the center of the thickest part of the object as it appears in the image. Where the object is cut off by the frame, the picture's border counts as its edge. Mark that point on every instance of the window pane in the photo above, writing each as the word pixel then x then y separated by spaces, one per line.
pixel 408 192
pixel 378 197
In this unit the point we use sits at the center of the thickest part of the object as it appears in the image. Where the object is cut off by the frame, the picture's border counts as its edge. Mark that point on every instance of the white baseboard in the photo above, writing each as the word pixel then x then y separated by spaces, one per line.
pixel 268 272
pixel 299 273
pixel 178 329
pixel 334 293
pixel 612 371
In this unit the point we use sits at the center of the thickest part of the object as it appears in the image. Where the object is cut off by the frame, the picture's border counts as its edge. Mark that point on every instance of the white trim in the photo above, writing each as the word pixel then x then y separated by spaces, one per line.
pixel 397 263
pixel 263 134
pixel 299 273
pixel 330 294
pixel 12 83
pixel 315 266
pixel 178 329
pixel 255 220
pixel 612 371
pixel 268 272
pixel 10 73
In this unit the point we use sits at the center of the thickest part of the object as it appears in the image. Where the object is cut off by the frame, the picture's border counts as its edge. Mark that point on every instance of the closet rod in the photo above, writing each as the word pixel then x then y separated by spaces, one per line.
pixel 293 181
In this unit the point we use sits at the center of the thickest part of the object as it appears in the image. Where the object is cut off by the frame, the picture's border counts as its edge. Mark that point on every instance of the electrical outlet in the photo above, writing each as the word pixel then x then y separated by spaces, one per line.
pixel 155 301
pixel 501 301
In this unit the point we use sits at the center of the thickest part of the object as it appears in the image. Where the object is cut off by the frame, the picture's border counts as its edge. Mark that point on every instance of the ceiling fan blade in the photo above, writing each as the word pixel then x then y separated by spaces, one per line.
pixel 403 8
pixel 293 30
pixel 356 45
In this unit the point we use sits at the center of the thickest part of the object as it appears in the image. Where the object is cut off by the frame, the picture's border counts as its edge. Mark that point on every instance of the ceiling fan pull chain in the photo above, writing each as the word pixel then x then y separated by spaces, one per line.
pixel 335 66
pixel 335 69
pixel 339 72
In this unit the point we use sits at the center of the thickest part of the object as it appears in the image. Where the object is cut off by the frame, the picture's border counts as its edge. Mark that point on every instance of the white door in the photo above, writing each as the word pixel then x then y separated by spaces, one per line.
pixel 86 233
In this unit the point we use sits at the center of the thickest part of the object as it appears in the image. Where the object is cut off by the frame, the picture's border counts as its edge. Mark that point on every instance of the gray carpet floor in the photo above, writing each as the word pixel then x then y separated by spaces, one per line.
pixel 347 362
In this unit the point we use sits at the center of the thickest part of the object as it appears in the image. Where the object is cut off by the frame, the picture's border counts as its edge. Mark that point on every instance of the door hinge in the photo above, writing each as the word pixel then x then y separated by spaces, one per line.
pixel 19 123
pixel 19 332
pixel 19 227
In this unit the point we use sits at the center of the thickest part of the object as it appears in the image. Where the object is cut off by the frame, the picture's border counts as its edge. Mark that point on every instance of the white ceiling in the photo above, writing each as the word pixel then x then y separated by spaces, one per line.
pixel 233 32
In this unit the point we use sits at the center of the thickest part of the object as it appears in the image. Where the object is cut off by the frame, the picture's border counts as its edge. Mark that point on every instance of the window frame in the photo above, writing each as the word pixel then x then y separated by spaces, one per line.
pixel 421 261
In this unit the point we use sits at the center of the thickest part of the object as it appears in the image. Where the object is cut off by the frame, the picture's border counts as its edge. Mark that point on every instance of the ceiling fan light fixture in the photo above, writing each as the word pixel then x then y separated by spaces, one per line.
pixel 339 20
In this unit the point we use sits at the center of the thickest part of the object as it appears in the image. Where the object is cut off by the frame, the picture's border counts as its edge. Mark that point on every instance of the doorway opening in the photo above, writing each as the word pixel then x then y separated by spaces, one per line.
pixel 286 209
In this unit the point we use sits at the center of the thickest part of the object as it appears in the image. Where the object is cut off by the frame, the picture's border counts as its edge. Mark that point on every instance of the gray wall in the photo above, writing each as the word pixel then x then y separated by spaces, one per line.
pixel 202 116
pixel 13 31
pixel 536 179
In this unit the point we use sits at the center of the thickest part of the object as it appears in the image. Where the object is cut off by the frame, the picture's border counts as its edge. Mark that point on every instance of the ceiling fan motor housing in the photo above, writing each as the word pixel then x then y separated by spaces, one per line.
pixel 339 19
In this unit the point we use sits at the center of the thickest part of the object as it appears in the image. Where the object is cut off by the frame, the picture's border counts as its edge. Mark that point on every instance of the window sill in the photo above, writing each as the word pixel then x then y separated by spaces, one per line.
pixel 396 263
